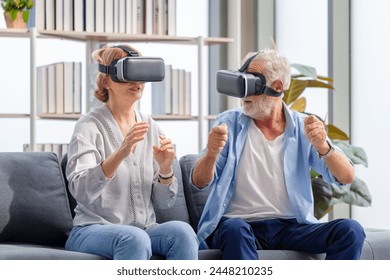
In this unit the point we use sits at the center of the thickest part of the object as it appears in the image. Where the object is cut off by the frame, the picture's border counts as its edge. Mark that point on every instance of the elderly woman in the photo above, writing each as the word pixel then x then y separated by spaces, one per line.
pixel 119 166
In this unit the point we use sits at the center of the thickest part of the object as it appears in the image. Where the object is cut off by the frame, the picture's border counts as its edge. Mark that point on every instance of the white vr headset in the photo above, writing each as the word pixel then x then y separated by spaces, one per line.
pixel 135 68
pixel 241 83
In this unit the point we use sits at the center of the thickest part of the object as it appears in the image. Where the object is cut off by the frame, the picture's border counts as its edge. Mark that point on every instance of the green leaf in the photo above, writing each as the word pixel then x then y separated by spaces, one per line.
pixel 25 16
pixel 13 14
pixel 356 154
pixel 322 195
pixel 335 133
pixel 356 193
pixel 319 84
pixel 295 90
pixel 299 105
pixel 305 70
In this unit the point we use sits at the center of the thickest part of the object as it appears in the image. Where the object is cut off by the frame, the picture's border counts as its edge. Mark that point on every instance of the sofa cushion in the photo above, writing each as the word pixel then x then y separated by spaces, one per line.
pixel 196 199
pixel 33 201
pixel 177 212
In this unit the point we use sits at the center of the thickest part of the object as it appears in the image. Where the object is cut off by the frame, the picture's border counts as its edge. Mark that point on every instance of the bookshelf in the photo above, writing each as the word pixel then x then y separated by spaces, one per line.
pixel 91 39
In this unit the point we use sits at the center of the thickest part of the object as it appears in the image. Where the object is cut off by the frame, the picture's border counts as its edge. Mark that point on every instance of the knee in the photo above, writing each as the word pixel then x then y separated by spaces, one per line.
pixel 185 232
pixel 235 229
pixel 136 244
pixel 352 229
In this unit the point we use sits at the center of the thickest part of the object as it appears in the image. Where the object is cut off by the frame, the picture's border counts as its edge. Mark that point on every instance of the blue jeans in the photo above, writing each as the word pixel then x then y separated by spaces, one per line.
pixel 341 239
pixel 174 240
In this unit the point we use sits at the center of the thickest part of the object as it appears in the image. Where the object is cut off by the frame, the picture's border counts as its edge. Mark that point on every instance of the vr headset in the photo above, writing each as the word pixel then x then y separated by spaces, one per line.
pixel 241 83
pixel 135 68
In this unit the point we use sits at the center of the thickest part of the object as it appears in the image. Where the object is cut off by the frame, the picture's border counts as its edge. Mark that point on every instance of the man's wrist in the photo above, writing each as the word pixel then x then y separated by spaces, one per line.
pixel 329 152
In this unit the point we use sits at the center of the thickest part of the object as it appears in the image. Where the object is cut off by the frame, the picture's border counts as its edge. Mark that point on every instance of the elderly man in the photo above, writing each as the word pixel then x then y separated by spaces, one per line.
pixel 257 162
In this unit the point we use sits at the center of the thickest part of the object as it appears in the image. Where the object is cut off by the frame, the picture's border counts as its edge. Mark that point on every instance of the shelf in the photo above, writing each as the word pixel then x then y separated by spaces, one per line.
pixel 112 37
pixel 14 116
pixel 15 33
pixel 60 116
pixel 173 118
pixel 115 37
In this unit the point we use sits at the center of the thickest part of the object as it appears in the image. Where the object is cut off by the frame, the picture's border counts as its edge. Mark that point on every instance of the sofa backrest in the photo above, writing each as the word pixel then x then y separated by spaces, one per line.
pixel 33 200
pixel 196 199
pixel 177 212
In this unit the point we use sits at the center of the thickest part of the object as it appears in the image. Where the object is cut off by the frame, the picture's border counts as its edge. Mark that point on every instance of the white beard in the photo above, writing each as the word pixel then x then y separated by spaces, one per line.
pixel 261 108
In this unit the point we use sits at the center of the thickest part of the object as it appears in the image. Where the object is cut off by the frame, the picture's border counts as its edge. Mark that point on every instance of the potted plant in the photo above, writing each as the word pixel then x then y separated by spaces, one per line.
pixel 327 195
pixel 16 12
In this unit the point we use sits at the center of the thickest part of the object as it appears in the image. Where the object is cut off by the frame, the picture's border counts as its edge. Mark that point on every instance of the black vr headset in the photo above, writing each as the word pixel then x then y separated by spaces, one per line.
pixel 135 68
pixel 241 83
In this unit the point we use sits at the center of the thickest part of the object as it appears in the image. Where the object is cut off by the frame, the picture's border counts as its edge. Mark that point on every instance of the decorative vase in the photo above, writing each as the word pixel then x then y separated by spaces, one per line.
pixel 17 23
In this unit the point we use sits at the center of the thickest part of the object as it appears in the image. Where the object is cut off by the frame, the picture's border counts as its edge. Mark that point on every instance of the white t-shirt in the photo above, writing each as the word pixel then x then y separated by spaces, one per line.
pixel 260 189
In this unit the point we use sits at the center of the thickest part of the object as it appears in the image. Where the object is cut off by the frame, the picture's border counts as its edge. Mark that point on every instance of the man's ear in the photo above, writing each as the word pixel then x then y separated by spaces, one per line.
pixel 278 86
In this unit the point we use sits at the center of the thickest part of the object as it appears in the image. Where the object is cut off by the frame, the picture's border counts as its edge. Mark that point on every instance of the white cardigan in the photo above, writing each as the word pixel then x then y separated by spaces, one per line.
pixel 127 197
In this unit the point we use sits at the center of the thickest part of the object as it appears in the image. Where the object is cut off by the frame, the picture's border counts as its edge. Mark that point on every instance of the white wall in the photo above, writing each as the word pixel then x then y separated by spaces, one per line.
pixel 15 81
pixel 370 104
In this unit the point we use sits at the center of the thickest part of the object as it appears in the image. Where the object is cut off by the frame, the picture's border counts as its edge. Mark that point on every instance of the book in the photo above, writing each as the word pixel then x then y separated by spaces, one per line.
pixel 175 88
pixel 59 18
pixel 59 94
pixel 171 15
pixel 99 15
pixel 37 15
pixel 148 20
pixel 187 93
pixel 89 15
pixel 68 87
pixel 158 98
pixel 50 15
pixel 168 89
pixel 158 17
pixel 122 15
pixel 79 14
pixel 129 17
pixel 140 16
pixel 181 95
pixel 68 15
pixel 51 93
pixel 109 16
pixel 42 90
pixel 77 87
pixel 115 16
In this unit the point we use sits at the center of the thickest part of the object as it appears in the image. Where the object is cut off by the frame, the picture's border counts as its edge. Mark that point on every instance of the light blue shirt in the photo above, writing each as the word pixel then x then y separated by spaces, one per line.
pixel 299 157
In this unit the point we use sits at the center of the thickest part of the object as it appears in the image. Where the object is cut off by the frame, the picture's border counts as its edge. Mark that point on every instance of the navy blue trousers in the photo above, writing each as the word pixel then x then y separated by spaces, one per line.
pixel 341 239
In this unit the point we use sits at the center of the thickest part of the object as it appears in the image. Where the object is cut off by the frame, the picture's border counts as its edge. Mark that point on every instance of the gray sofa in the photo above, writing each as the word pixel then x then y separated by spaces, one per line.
pixel 36 212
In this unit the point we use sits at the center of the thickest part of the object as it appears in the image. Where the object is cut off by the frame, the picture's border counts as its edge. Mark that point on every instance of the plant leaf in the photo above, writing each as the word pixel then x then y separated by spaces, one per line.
pixel 356 154
pixel 295 90
pixel 305 70
pixel 299 105
pixel 319 84
pixel 25 16
pixel 356 193
pixel 329 79
pixel 335 133
pixel 322 195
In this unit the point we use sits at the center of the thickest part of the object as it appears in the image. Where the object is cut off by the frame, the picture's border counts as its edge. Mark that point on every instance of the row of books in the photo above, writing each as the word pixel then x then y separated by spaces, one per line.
pixel 59 88
pixel 173 95
pixel 57 148
pixel 152 17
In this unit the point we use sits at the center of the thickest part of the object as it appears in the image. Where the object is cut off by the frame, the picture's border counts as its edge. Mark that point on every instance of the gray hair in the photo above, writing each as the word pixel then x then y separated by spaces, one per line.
pixel 276 66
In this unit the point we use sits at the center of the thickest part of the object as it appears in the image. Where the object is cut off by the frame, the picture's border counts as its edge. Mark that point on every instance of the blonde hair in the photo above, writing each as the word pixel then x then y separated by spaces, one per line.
pixel 105 56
